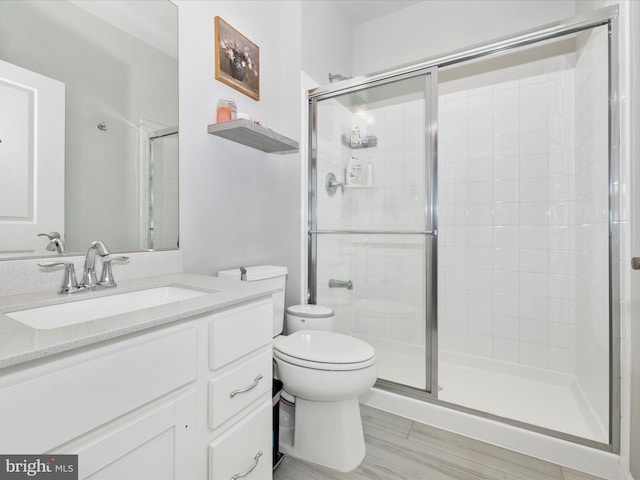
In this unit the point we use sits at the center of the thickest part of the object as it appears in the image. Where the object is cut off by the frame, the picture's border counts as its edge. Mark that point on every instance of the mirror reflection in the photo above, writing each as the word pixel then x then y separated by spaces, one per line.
pixel 89 126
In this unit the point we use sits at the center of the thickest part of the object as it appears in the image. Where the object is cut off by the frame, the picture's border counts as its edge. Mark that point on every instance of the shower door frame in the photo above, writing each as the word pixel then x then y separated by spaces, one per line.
pixel 430 231
pixel 607 16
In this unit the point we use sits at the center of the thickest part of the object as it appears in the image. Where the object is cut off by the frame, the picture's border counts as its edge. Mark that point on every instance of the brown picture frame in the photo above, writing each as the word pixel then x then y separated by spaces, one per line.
pixel 237 60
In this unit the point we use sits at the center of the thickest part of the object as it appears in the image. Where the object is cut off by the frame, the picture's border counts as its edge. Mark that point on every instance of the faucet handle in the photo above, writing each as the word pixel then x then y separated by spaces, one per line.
pixel 69 283
pixel 106 278
pixel 50 236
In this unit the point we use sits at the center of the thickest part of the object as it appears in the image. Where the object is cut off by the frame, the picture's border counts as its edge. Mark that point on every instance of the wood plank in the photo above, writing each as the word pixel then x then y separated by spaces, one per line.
pixel 255 136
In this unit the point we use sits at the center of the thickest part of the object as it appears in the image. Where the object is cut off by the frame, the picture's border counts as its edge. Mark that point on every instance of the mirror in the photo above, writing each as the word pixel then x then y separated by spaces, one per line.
pixel 89 142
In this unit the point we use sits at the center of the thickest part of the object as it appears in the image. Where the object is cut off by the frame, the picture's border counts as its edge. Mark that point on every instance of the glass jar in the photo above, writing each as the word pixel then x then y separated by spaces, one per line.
pixel 226 110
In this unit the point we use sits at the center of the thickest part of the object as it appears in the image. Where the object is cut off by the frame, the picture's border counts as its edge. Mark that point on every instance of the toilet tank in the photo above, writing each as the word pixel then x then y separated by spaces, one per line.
pixel 272 276
pixel 309 317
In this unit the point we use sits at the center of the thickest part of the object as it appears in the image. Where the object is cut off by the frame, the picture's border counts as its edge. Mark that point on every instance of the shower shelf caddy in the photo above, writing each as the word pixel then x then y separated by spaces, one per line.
pixel 253 135
pixel 369 141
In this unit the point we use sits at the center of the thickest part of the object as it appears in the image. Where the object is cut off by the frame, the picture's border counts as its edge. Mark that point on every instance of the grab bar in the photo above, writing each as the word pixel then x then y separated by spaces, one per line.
pixel 376 232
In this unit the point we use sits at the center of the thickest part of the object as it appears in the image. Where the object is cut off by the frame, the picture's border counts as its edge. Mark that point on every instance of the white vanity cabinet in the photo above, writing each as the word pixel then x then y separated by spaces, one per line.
pixel 47 406
pixel 239 403
pixel 173 402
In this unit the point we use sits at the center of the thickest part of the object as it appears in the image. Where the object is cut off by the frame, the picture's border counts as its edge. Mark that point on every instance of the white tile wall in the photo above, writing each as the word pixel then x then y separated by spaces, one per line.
pixel 510 203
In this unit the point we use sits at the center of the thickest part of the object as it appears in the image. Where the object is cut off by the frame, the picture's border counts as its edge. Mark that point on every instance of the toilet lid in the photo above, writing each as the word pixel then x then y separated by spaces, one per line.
pixel 319 346
pixel 310 311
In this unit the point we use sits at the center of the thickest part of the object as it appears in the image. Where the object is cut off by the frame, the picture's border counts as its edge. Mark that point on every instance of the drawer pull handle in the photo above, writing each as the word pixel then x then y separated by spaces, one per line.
pixel 253 385
pixel 256 459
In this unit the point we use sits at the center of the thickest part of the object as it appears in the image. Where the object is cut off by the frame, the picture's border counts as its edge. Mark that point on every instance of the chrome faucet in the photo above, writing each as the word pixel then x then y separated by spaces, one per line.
pixel 89 278
pixel 55 242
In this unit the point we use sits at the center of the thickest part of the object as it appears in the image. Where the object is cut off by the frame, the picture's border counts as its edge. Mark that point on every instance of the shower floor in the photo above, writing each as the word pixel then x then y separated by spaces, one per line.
pixel 539 397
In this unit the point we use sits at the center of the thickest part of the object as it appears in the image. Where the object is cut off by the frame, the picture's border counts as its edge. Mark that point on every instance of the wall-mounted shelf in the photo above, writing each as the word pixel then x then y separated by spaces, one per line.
pixel 253 135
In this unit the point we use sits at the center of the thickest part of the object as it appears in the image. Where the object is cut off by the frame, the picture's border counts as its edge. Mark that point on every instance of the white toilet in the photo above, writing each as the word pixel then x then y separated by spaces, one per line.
pixel 325 371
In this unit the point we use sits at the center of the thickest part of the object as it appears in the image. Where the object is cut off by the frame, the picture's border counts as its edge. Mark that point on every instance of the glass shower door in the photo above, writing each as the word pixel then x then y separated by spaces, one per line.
pixel 525 240
pixel 371 222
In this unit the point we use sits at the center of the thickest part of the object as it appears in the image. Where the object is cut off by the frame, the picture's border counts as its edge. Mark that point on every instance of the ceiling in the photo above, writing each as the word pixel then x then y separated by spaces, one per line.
pixel 153 22
pixel 360 11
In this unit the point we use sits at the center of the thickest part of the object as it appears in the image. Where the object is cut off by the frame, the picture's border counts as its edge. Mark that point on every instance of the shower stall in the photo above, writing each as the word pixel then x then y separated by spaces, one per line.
pixel 158 195
pixel 463 220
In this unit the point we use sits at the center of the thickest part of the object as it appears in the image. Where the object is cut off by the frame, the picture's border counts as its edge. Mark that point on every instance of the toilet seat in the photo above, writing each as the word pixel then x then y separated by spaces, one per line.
pixel 321 350
pixel 323 366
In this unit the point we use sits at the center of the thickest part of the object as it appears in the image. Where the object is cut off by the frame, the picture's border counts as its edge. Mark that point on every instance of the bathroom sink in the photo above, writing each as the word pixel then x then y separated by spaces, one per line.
pixel 71 313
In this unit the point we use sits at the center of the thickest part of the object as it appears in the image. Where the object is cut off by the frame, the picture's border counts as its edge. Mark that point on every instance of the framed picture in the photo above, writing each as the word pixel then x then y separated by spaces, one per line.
pixel 237 60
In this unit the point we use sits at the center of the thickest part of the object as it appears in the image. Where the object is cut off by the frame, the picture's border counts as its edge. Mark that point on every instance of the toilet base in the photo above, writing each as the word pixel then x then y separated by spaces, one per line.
pixel 329 434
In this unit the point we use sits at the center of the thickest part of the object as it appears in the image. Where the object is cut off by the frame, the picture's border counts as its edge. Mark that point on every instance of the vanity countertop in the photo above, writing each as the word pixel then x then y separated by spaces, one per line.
pixel 20 343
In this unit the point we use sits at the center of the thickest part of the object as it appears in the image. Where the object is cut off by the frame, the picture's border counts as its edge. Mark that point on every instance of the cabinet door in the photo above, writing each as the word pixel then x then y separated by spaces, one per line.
pixel 245 449
pixel 158 445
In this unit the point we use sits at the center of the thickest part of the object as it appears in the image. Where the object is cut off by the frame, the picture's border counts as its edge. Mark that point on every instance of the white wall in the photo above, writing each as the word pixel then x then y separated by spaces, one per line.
pixel 434 27
pixel 326 41
pixel 239 206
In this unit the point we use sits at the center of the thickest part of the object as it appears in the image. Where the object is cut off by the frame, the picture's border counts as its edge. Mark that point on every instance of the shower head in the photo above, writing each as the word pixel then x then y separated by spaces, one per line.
pixel 337 76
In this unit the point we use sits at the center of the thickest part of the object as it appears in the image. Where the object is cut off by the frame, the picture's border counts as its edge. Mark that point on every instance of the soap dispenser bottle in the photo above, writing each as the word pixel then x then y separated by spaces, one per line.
pixel 354 171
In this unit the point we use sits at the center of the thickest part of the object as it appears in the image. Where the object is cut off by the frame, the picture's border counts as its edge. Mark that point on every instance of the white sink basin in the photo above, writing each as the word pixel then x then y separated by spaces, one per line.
pixel 63 314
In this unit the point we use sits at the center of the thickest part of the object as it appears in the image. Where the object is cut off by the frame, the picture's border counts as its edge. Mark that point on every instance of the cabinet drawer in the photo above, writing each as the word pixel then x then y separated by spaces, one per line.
pixel 238 449
pixel 70 396
pixel 251 327
pixel 226 397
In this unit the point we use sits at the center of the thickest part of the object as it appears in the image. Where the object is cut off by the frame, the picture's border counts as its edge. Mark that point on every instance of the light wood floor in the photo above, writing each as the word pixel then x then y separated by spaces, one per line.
pixel 401 449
